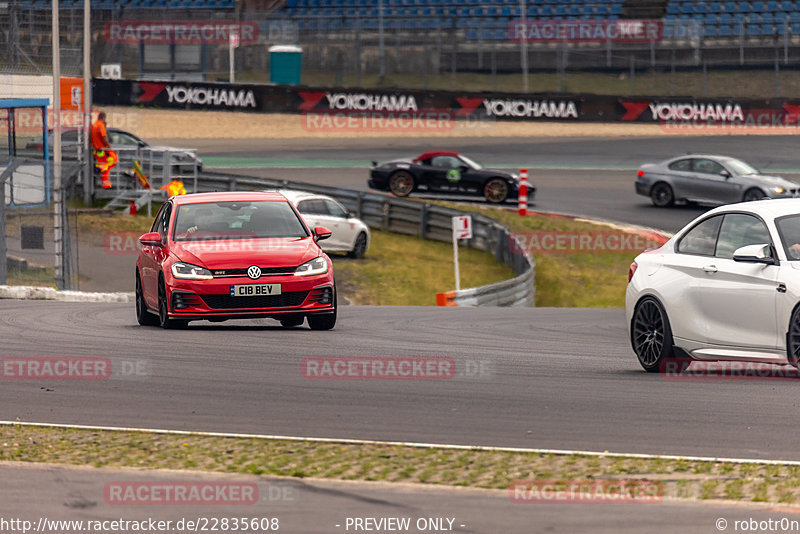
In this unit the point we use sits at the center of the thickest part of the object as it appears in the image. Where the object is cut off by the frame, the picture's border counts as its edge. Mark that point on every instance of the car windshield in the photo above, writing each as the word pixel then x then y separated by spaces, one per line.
pixel 789 230
pixel 229 220
pixel 739 167
pixel 471 163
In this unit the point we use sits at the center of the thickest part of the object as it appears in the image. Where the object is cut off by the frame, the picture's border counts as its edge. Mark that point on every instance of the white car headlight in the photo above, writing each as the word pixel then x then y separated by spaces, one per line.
pixel 316 266
pixel 187 271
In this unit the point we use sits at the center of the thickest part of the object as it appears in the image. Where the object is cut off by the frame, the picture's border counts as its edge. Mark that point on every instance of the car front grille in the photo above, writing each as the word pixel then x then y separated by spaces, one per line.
pixel 265 271
pixel 284 300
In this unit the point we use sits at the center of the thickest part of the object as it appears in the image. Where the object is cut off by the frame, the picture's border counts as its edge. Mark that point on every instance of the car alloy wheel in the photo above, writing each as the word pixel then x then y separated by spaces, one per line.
pixel 661 195
pixel 651 336
pixel 401 183
pixel 143 317
pixel 360 247
pixel 793 338
pixel 495 191
pixel 753 194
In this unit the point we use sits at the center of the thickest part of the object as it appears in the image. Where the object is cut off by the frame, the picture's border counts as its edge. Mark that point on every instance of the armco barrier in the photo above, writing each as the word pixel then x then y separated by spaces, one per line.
pixel 424 220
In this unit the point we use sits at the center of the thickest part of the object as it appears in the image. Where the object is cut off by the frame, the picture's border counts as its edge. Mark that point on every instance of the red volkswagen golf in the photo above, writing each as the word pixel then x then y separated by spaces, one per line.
pixel 219 256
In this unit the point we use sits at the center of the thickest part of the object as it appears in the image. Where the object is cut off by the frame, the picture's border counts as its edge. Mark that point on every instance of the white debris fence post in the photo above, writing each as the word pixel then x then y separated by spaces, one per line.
pixel 462 229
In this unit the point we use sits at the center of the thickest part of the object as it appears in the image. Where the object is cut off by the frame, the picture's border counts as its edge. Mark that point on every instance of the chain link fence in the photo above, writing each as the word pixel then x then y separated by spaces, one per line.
pixel 342 47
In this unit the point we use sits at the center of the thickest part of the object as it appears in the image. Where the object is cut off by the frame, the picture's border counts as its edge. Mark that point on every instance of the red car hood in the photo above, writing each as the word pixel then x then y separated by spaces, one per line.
pixel 242 253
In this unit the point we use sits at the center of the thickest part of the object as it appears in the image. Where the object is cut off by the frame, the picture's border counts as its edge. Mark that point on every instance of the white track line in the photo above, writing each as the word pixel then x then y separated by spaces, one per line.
pixel 560 452
pixel 49 293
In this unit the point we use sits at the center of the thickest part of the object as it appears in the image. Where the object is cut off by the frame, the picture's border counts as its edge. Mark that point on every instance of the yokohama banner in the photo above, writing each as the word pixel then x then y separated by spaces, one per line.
pixel 360 103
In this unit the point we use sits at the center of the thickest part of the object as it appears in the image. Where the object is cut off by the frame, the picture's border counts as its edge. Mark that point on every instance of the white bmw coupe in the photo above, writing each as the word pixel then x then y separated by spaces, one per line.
pixel 725 287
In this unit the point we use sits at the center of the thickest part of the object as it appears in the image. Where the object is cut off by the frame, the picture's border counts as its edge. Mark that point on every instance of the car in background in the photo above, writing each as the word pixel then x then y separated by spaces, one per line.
pixel 725 287
pixel 233 255
pixel 183 160
pixel 708 179
pixel 445 172
pixel 348 233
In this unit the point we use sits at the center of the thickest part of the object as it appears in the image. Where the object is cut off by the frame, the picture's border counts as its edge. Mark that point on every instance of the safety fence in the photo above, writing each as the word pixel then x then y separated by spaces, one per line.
pixel 423 220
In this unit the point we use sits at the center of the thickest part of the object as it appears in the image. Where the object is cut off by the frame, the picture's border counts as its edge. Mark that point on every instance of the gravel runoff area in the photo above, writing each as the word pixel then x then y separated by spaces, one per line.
pixel 181 124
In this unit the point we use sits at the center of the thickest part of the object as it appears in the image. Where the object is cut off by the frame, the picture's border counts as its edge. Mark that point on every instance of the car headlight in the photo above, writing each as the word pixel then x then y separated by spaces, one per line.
pixel 777 189
pixel 187 271
pixel 316 266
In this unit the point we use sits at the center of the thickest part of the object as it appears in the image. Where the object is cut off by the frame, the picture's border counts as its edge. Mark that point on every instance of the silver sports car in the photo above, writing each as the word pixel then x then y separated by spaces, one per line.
pixel 708 180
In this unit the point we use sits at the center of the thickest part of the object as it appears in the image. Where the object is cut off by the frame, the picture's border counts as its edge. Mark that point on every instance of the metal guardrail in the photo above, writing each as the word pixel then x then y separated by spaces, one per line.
pixel 427 221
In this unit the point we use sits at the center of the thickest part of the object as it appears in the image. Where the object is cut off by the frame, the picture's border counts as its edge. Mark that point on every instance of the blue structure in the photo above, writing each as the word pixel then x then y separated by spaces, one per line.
pixel 28 187
pixel 490 19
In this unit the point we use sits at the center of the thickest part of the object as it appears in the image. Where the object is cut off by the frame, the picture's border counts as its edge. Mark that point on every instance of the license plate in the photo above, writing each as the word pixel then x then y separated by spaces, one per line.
pixel 253 290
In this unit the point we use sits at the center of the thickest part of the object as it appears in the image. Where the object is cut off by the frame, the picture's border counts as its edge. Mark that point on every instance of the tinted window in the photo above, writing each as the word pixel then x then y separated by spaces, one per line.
pixel 163 227
pixel 707 166
pixel 119 138
pixel 335 209
pixel 701 239
pixel 313 206
pixel 740 167
pixel 218 220
pixel 789 230
pixel 447 162
pixel 303 206
pixel 159 218
pixel 684 165
pixel 739 230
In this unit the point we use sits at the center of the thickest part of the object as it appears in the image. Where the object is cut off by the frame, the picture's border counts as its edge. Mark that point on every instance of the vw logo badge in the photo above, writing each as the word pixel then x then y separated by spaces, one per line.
pixel 254 272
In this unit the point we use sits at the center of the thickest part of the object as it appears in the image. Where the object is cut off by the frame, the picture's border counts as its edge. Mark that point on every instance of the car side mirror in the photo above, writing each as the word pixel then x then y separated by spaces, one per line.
pixel 725 173
pixel 754 254
pixel 151 239
pixel 320 233
pixel 142 144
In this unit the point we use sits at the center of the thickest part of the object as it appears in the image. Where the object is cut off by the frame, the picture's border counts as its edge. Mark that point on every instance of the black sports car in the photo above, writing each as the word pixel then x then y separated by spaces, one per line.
pixel 445 172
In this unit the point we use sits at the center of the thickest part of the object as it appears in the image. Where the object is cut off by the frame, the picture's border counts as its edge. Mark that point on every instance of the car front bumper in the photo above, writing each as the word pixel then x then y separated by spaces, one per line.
pixel 211 299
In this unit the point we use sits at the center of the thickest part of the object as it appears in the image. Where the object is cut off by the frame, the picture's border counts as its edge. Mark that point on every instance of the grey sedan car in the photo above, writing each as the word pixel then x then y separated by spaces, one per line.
pixel 708 179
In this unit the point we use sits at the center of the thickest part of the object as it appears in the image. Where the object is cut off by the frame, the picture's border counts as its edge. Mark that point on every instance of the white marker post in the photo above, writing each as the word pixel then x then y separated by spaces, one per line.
pixel 233 42
pixel 462 229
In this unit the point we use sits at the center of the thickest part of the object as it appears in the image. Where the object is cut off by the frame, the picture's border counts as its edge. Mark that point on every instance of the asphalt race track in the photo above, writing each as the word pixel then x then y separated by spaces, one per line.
pixel 60 493
pixel 536 378
pixel 539 378
pixel 579 176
